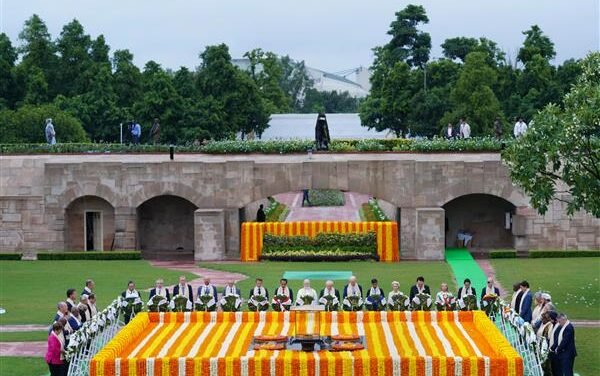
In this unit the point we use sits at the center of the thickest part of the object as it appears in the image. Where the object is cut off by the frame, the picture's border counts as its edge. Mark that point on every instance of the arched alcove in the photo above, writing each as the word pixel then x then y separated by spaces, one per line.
pixel 90 224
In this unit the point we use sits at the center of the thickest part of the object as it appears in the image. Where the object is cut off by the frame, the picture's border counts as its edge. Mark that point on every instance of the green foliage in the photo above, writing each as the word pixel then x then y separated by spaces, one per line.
pixel 112 255
pixel 329 246
pixel 371 212
pixel 536 43
pixel 326 197
pixel 10 256
pixel 329 101
pixel 276 211
pixel 27 124
pixel 559 156
pixel 408 43
pixel 503 253
pixel 562 254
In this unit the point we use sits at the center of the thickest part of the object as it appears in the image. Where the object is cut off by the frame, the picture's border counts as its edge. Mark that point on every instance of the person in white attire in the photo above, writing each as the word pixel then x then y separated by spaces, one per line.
pixel 329 290
pixel 465 129
pixel 306 293
pixel 207 289
pixel 231 290
pixel 520 128
pixel 375 300
pixel 444 297
pixel 283 296
pixel 50 133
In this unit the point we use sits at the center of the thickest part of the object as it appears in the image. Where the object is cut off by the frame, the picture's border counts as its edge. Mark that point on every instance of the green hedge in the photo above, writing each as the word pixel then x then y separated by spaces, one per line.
pixel 508 253
pixel 371 212
pixel 323 246
pixel 268 147
pixel 326 197
pixel 560 254
pixel 126 255
pixel 10 256
pixel 276 212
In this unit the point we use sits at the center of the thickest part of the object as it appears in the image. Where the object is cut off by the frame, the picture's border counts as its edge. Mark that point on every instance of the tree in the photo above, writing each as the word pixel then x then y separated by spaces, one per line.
pixel 459 47
pixel 408 43
pixel 267 71
pixel 388 105
pixel 329 102
pixel 73 47
pixel 127 79
pixel 473 98
pixel 37 51
pixel 8 57
pixel 536 43
pixel 559 156
pixel 295 81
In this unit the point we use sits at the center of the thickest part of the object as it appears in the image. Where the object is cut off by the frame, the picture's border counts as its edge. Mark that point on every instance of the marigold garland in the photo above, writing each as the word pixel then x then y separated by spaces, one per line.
pixel 225 348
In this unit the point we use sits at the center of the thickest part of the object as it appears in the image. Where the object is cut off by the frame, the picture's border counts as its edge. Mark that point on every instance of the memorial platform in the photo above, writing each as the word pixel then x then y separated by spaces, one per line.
pixel 397 343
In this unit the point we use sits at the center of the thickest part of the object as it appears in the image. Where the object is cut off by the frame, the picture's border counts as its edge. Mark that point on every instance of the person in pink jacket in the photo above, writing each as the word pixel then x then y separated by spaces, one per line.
pixel 56 349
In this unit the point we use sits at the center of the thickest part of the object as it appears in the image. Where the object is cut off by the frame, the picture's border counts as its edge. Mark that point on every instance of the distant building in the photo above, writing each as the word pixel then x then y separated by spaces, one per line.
pixel 324 81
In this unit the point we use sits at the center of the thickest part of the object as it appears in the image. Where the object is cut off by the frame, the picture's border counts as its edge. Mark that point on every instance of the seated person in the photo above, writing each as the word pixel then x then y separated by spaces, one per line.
pixel 375 297
pixel 306 295
pixel 283 296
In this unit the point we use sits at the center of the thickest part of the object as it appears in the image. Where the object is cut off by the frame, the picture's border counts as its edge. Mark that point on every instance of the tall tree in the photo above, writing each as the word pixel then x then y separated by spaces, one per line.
pixel 73 47
pixel 267 72
pixel 472 96
pixel 565 164
pixel 8 57
pixel 99 51
pixel 295 81
pixel 408 43
pixel 127 79
pixel 536 43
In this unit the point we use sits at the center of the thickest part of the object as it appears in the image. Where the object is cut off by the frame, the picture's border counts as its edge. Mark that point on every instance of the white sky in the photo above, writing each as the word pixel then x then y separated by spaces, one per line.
pixel 332 35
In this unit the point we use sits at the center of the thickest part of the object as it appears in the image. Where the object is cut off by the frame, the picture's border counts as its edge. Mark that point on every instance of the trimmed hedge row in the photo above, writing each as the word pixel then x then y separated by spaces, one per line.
pixel 276 212
pixel 561 254
pixel 500 254
pixel 268 147
pixel 10 256
pixel 324 246
pixel 128 255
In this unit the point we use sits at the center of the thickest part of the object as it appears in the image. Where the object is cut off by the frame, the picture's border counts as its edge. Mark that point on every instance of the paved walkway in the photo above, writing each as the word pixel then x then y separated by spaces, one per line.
pixel 348 212
pixel 22 328
pixel 29 349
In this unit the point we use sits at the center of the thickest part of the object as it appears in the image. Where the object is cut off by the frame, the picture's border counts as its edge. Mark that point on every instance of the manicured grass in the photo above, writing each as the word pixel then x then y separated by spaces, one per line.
pixel 23 336
pixel 405 272
pixel 15 366
pixel 29 290
pixel 587 341
pixel 573 282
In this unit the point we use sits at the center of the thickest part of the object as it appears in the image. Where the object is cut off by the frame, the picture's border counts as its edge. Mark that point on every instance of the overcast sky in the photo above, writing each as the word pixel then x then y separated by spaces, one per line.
pixel 332 35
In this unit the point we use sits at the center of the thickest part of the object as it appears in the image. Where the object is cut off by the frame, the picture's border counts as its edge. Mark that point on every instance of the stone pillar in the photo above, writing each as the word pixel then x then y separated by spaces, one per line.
pixel 407 226
pixel 125 228
pixel 209 234
pixel 430 234
pixel 519 228
pixel 232 233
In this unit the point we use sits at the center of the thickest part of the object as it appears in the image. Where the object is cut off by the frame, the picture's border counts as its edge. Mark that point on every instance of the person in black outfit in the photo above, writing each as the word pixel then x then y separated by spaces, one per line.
pixel 419 287
pixel 260 214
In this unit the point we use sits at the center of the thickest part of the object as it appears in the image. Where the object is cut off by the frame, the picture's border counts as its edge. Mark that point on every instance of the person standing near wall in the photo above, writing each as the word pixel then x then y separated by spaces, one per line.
pixel 155 131
pixel 136 132
pixel 50 132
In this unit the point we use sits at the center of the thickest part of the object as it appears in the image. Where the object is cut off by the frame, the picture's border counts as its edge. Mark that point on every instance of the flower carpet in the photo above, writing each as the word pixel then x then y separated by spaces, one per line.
pixel 252 235
pixel 397 343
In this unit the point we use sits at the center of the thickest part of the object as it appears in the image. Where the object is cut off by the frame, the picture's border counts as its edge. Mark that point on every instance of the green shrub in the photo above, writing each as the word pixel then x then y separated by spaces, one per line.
pixel 10 256
pixel 559 254
pixel 276 211
pixel 371 212
pixel 113 255
pixel 324 246
pixel 503 253
pixel 67 143
pixel 28 123
pixel 326 197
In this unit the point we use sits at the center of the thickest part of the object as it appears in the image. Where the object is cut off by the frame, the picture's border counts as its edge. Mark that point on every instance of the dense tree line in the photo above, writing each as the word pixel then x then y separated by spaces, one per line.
pixel 474 79
pixel 76 78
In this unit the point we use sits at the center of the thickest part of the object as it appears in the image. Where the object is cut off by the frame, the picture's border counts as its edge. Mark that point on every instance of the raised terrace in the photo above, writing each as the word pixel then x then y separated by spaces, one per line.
pixel 195 202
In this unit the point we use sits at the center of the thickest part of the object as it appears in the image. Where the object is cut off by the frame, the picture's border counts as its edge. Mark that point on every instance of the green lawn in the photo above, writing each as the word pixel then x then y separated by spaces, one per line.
pixel 14 366
pixel 587 341
pixel 573 282
pixel 405 272
pixel 29 290
pixel 23 336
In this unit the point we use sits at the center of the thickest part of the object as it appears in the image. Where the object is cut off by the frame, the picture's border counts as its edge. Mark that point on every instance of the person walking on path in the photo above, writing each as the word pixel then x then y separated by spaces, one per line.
pixel 305 197
pixel 50 132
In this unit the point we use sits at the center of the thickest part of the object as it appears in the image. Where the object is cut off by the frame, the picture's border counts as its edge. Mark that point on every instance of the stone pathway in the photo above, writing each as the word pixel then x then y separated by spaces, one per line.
pixel 488 270
pixel 348 212
pixel 22 328
pixel 29 349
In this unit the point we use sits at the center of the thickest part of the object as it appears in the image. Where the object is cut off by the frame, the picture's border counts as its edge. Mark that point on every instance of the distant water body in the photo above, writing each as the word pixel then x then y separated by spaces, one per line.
pixel 302 126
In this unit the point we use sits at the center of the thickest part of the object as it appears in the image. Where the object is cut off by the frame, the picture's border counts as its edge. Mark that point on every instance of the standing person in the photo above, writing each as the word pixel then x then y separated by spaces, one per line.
pixel 50 133
pixel 465 129
pixel 419 288
pixel 305 197
pixel 55 354
pixel 160 290
pixel 515 300
pixel 92 304
pixel 322 132
pixel 260 214
pixel 85 312
pixel 563 346
pixel 498 128
pixel 136 132
pixel 155 131
pixel 89 287
pixel 520 128
pixel 71 297
pixel 449 132
pixel 207 289
pixel 525 303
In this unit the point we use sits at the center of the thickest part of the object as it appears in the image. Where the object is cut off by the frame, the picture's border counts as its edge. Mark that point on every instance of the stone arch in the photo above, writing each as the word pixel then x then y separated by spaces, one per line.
pixel 87 189
pixel 150 190
pixel 89 224
pixel 482 215
pixel 165 224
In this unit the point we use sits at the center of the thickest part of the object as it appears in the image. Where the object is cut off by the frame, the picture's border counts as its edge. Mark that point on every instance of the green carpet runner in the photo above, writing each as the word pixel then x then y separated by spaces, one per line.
pixel 464 266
